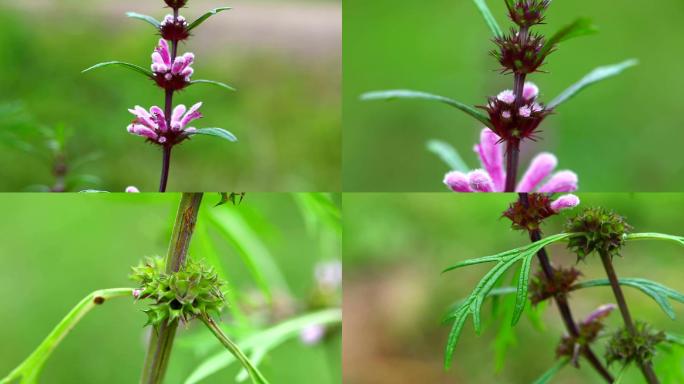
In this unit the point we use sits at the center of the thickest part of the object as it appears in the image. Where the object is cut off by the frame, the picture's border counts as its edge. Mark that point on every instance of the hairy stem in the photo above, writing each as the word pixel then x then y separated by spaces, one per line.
pixel 512 158
pixel 562 301
pixel 646 367
pixel 161 341
pixel 166 164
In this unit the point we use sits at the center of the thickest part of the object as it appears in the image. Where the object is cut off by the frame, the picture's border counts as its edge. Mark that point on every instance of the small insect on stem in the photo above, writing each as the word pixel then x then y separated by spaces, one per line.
pixel 98 300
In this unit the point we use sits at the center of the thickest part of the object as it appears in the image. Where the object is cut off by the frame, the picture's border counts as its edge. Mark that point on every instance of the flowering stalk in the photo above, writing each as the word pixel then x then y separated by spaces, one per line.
pixel 161 342
pixel 172 72
pixel 513 116
pixel 561 300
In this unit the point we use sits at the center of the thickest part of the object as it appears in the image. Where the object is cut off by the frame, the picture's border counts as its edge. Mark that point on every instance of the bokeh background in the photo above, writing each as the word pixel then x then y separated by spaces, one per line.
pixel 396 246
pixel 621 135
pixel 283 57
pixel 59 248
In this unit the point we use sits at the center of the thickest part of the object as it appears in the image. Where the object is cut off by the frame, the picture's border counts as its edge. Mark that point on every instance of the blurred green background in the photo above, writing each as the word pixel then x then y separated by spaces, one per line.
pixel 59 248
pixel 396 246
pixel 621 135
pixel 282 56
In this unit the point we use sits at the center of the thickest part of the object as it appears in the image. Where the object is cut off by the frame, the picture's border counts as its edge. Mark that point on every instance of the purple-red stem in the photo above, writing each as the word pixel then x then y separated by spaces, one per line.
pixel 513 146
pixel 562 301
pixel 168 110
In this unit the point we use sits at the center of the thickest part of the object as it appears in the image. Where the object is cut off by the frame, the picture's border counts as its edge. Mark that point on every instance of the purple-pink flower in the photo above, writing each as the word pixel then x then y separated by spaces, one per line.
pixel 152 124
pixel 171 75
pixel 493 177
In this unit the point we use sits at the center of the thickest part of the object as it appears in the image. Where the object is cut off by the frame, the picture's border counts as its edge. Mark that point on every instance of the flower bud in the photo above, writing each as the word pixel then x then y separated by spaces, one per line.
pixel 520 53
pixel 597 229
pixel 528 215
pixel 515 124
pixel 562 281
pixel 176 4
pixel 527 13
pixel 174 29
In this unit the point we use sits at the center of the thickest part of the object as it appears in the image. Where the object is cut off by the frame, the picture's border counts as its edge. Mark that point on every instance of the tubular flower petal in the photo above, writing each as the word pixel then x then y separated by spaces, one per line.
pixel 171 74
pixel 490 152
pixel 153 124
pixel 565 202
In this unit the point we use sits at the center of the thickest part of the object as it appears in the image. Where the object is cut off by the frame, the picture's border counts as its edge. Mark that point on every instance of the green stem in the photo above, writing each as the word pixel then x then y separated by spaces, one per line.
pixel 254 374
pixel 31 367
pixel 161 342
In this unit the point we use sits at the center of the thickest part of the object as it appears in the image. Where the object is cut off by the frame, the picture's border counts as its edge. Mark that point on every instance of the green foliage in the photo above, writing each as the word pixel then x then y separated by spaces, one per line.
pixel 579 27
pixel 148 19
pixel 489 18
pixel 625 348
pixel 408 94
pixel 264 341
pixel 216 132
pixel 656 291
pixel 212 82
pixel 130 66
pixel 472 304
pixel 204 17
pixel 192 292
pixel 655 236
pixel 548 375
pixel 28 372
pixel 596 230
pixel 595 76
pixel 448 154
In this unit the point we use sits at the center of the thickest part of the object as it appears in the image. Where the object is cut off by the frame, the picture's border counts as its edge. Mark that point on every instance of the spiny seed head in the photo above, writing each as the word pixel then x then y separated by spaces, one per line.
pixel 183 295
pixel 597 229
pixel 528 215
pixel 527 13
pixel 542 288
pixel 625 348
pixel 520 54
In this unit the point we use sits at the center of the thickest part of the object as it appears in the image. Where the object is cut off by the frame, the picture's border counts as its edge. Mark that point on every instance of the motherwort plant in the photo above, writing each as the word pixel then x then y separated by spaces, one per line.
pixel 595 232
pixel 170 125
pixel 513 116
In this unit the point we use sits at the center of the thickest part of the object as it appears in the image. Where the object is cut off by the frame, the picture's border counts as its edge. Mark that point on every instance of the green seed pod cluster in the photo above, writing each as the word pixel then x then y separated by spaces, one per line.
pixel 183 295
pixel 624 348
pixel 599 230
pixel 542 288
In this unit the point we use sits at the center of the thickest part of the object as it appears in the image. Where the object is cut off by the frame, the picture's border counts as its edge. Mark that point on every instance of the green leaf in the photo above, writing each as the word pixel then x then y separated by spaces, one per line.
pixel 212 82
pixel 266 340
pixel 408 94
pixel 655 236
pixel 134 67
pixel 146 18
pixel 216 132
pixel 595 76
pixel 473 304
pixel 523 284
pixel 204 17
pixel 548 375
pixel 658 292
pixel 448 154
pixel 29 370
pixel 489 18
pixel 579 27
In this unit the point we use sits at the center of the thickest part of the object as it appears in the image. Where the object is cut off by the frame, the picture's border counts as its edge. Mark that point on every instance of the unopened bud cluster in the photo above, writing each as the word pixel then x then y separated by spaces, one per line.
pixel 561 282
pixel 528 214
pixel 527 13
pixel 588 332
pixel 515 120
pixel 175 29
pixel 193 291
pixel 597 230
pixel 176 4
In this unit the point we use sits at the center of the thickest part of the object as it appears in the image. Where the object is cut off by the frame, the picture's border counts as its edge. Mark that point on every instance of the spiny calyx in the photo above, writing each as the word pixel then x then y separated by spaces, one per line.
pixel 597 229
pixel 193 291
pixel 641 347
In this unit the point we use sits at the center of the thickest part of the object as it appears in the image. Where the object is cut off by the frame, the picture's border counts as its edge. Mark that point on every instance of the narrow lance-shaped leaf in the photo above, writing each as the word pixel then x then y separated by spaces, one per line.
pixel 489 18
pixel 212 82
pixel 655 236
pixel 595 76
pixel 145 18
pixel 216 132
pixel 204 17
pixel 134 67
pixel 448 154
pixel 408 94
pixel 523 284
pixel 579 27
pixel 658 292
pixel 29 370
pixel 548 375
